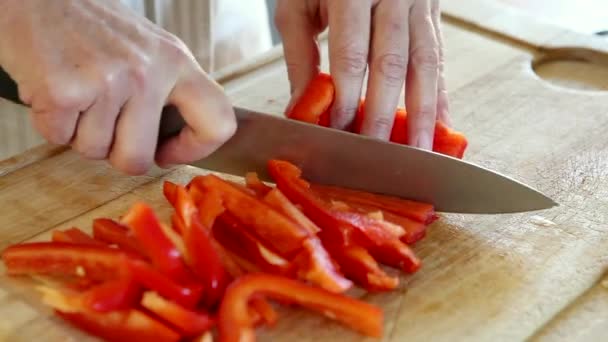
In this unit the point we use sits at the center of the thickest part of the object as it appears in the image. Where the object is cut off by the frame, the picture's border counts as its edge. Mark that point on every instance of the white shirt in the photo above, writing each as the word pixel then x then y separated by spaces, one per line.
pixel 219 32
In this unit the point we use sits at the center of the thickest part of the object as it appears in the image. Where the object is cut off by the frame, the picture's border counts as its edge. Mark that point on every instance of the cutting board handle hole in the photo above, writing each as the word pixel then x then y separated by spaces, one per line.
pixel 573 68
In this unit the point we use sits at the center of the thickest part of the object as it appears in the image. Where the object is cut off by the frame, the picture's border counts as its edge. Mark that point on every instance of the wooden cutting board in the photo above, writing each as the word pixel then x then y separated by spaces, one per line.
pixel 502 277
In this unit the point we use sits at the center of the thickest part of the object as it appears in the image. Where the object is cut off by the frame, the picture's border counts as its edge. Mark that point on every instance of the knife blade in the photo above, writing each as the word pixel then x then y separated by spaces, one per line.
pixel 339 158
pixel 332 157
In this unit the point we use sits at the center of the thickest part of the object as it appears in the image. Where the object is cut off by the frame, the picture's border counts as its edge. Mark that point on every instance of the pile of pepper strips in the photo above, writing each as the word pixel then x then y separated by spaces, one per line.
pixel 228 250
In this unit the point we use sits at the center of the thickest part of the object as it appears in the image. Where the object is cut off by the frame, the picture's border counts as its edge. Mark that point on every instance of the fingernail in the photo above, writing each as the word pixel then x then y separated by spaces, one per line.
pixel 425 141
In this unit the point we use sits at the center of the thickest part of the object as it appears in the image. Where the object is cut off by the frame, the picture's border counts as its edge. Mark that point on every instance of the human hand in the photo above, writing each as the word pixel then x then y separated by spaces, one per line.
pixel 401 42
pixel 97 77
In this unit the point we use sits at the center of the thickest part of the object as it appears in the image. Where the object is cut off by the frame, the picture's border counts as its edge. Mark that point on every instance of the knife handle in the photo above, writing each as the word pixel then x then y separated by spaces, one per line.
pixel 171 121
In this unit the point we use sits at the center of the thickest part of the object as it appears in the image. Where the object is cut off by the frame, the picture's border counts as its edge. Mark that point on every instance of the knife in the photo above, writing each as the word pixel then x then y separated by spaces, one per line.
pixel 333 157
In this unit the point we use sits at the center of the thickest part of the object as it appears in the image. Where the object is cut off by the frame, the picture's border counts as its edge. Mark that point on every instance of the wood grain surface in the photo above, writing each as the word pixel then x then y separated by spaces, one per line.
pixel 528 276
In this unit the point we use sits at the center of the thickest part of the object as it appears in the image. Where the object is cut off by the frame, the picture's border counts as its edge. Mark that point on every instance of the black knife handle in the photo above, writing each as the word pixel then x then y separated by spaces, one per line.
pixel 8 88
pixel 171 121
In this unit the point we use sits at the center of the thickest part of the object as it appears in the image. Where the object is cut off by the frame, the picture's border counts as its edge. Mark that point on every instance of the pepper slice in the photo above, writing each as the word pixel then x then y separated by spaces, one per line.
pixel 235 323
pixel 112 232
pixel 119 294
pixel 276 230
pixel 254 183
pixel 357 264
pixel 75 235
pixel 126 325
pixel 189 323
pixel 157 246
pixel 200 254
pixel 317 98
pixel 61 259
pixel 232 235
pixel 421 212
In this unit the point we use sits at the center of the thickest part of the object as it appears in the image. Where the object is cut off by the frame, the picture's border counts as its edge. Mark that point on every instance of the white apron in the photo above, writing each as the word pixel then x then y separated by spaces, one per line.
pixel 219 32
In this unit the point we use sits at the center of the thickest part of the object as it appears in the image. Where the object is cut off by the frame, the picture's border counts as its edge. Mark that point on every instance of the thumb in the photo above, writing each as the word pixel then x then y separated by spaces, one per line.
pixel 209 121
pixel 298 34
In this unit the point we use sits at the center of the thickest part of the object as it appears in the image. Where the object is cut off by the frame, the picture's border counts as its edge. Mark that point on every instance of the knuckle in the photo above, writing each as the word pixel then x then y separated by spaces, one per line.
pixel 426 58
pixel 392 67
pixel 351 60
pixel 139 74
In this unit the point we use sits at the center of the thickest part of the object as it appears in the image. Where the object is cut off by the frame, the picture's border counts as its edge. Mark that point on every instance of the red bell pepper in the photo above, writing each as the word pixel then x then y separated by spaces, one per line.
pixel 188 322
pixel 357 264
pixel 170 192
pixel 411 231
pixel 336 234
pixel 281 203
pixel 200 254
pixel 188 295
pixel 315 265
pixel 158 247
pixel 75 235
pixel 421 212
pixel 97 263
pixel 112 232
pixel 232 235
pixel 316 99
pixel 121 326
pixel 119 294
pixel 279 232
pixel 235 323
pixel 209 203
pixel 260 307
pixel 254 183
pixel 383 245
pixel 117 325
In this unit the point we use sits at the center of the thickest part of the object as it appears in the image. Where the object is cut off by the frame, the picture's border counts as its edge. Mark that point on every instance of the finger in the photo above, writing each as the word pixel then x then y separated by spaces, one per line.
pixel 423 70
pixel 95 131
pixel 136 133
pixel 388 67
pixel 298 33
pixel 349 31
pixel 209 118
pixel 56 106
pixel 442 93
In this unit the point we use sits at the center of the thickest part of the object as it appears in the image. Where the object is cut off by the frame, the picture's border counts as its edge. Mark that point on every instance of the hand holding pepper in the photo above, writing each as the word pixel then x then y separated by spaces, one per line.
pixel 399 40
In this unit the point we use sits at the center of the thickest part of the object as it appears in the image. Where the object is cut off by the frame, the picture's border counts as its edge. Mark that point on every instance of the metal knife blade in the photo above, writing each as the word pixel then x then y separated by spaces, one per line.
pixel 334 157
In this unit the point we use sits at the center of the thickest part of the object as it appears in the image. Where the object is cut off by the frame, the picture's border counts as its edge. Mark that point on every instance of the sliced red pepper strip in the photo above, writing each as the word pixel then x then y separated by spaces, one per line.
pixel 230 233
pixel 158 247
pixel 281 203
pixel 384 246
pixel 119 294
pixel 413 231
pixel 201 255
pixel 169 191
pixel 75 235
pixel 235 322
pixel 126 325
pixel 267 313
pixel 421 212
pixel 186 295
pixel 287 178
pixel 254 183
pixel 112 232
pixel 316 266
pixel 121 326
pixel 276 230
pixel 209 204
pixel 357 264
pixel 316 99
pixel 336 234
pixel 188 322
pixel 97 263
